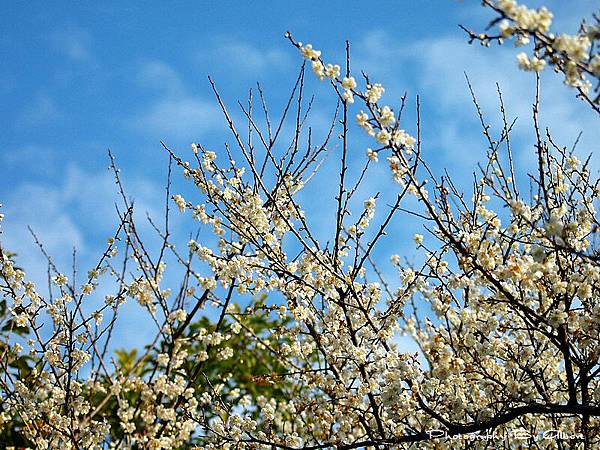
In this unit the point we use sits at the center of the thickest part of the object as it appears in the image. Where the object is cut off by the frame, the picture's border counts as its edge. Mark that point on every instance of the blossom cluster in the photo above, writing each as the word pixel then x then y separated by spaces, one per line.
pixel 377 121
pixel 571 54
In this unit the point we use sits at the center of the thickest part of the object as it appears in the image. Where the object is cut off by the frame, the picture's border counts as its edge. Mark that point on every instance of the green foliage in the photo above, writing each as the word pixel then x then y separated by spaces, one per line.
pixel 126 360
pixel 253 370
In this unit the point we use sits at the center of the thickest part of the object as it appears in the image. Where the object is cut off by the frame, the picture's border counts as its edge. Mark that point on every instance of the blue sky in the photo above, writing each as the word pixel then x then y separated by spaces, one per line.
pixel 78 78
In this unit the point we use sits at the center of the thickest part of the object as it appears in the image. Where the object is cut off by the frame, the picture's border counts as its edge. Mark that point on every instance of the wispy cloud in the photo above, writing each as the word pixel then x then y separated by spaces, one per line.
pixel 74 43
pixel 173 113
pixel 436 69
pixel 45 211
pixel 72 213
pixel 41 110
pixel 159 75
pixel 78 213
pixel 246 59
pixel 178 117
pixel 443 63
pixel 36 159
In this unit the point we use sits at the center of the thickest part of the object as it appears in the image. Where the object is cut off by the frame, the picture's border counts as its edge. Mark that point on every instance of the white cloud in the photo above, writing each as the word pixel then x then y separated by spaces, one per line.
pixel 157 74
pixel 73 42
pixel 78 212
pixel 443 62
pixel 174 113
pixel 41 110
pixel 178 117
pixel 245 58
pixel 45 211
pixel 452 135
pixel 34 158
pixel 435 68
